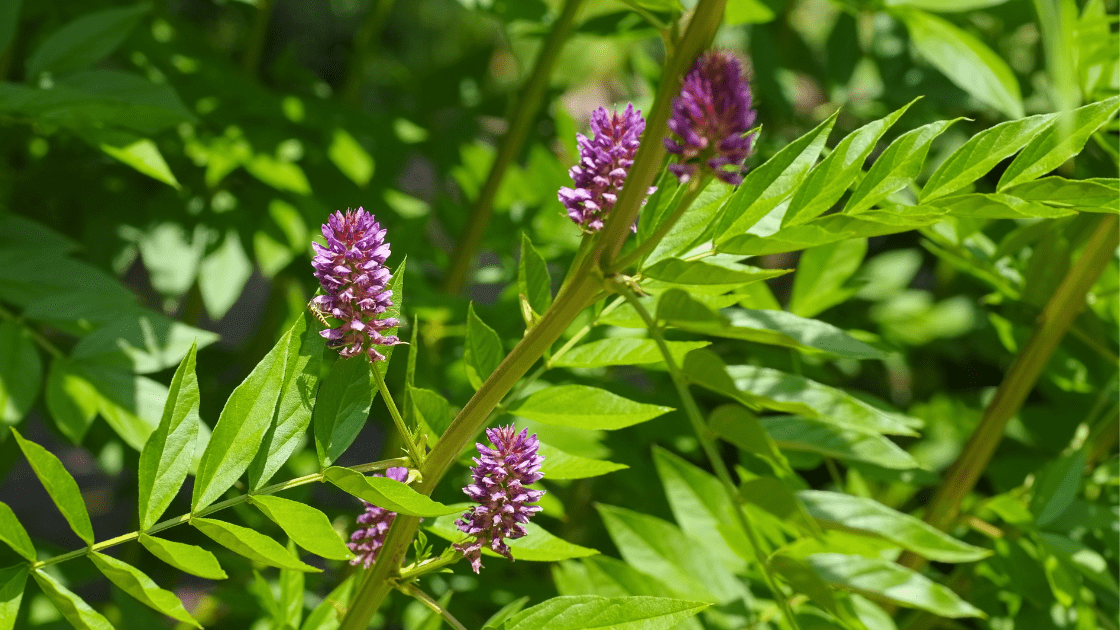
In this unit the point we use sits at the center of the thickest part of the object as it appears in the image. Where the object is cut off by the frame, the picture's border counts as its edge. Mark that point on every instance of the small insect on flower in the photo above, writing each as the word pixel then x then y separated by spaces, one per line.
pixel 351 269
pixel 500 479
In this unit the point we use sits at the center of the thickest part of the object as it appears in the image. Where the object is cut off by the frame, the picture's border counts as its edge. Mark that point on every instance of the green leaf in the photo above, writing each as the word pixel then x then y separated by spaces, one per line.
pixel 966 60
pixel 695 225
pixel 143 343
pixel 656 547
pixel 608 577
pixel 186 558
pixel 886 580
pixel 396 286
pixel 533 279
pixel 244 420
pixel 834 227
pixel 59 485
pixel 1093 195
pixel 792 433
pixel 765 187
pixel 946 6
pixel 1057 487
pixel 584 407
pixel 776 498
pixel 351 157
pixel 588 612
pixel 84 41
pixel 623 351
pixel 72 607
pixel 433 410
pixel 13 533
pixel 482 351
pixel 896 167
pixel 498 619
pixel 131 404
pixel 822 276
pixel 847 512
pixel 626 317
pixel 536 546
pixel 251 544
pixel 699 504
pixel 294 404
pixel 9 18
pixel 21 372
pixel 168 453
pixel 827 182
pixel 222 275
pixel 981 153
pixel 307 527
pixel 281 175
pixel 12 581
pixel 742 428
pixel 132 581
pixel 132 150
pixel 342 407
pixel 1058 143
pixel 71 399
pixel 387 493
pixel 1082 559
pixel 560 465
pixel 708 277
pixel 996 206
pixel 328 614
pixel 779 328
pixel 747 12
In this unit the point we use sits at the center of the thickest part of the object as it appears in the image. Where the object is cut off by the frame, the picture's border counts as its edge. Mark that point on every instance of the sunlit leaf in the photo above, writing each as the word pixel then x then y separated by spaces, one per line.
pixel 584 407
pixel 58 483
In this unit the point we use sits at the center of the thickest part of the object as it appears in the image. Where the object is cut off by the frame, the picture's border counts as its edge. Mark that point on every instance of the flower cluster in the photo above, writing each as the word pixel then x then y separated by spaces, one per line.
pixel 711 115
pixel 500 476
pixel 605 161
pixel 351 269
pixel 366 542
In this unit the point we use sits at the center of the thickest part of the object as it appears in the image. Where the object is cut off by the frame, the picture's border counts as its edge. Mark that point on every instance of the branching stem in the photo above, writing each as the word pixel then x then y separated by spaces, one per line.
pixel 413 591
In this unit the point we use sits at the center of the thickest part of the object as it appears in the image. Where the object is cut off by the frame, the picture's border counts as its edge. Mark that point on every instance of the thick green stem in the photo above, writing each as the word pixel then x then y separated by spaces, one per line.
pixel 210 509
pixel 707 442
pixel 524 111
pixel 1020 379
pixel 406 435
pixel 581 287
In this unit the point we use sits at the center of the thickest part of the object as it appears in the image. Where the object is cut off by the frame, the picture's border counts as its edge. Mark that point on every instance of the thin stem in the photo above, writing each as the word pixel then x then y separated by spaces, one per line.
pixel 372 25
pixel 42 341
pixel 695 187
pixel 1020 379
pixel 210 509
pixel 406 435
pixel 704 435
pixel 524 111
pixel 413 591
pixel 413 571
pixel 257 37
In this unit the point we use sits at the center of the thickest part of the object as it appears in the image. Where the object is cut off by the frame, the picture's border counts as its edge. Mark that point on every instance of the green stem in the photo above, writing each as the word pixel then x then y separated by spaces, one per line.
pixel 696 419
pixel 1020 379
pixel 413 571
pixel 695 187
pixel 257 37
pixel 413 591
pixel 524 111
pixel 406 435
pixel 210 509
pixel 583 285
pixel 375 20
pixel 42 341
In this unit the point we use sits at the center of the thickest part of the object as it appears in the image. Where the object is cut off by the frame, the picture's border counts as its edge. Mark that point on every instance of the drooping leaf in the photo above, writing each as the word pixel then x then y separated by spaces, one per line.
pixel 59 485
pixel 134 582
pixel 387 493
pixel 73 608
pixel 186 558
pixel 887 580
pixel 806 435
pixel 584 407
pixel 306 526
pixel 1057 487
pixel 84 41
pixel 966 60
pixel 536 546
pixel 560 465
pixel 740 427
pixel 533 280
pixel 827 182
pixel 167 455
pixel 251 544
pixel 483 350
pixel 294 403
pixel 708 277
pixel 623 351
pixel 835 509
pixel 654 546
pixel 1058 143
pixel 588 612
pixel 71 399
pixel 776 498
pixel 342 407
pixel 822 276
pixel 12 582
pixel 13 533
pixel 896 167
pixel 981 153
pixel 128 148
pixel 21 372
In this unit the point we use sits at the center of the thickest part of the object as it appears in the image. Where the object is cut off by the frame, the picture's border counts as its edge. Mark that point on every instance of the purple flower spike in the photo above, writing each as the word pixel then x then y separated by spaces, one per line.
pixel 366 542
pixel 500 476
pixel 604 163
pixel 351 269
pixel 710 116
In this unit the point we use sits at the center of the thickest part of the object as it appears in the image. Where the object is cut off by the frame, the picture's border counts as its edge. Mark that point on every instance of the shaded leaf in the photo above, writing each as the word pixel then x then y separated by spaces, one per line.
pixel 12 582
pixel 1093 195
pixel 342 407
pixel 222 275
pixel 822 276
pixel 533 279
pixel 560 465
pixel 132 581
pixel 482 351
pixel 887 580
pixel 13 533
pixel 328 614
pixel 1057 487
pixel 21 372
pixel 708 277
pixel 817 436
pixel 250 543
pixel 84 41
pixel 584 407
pixel 71 399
